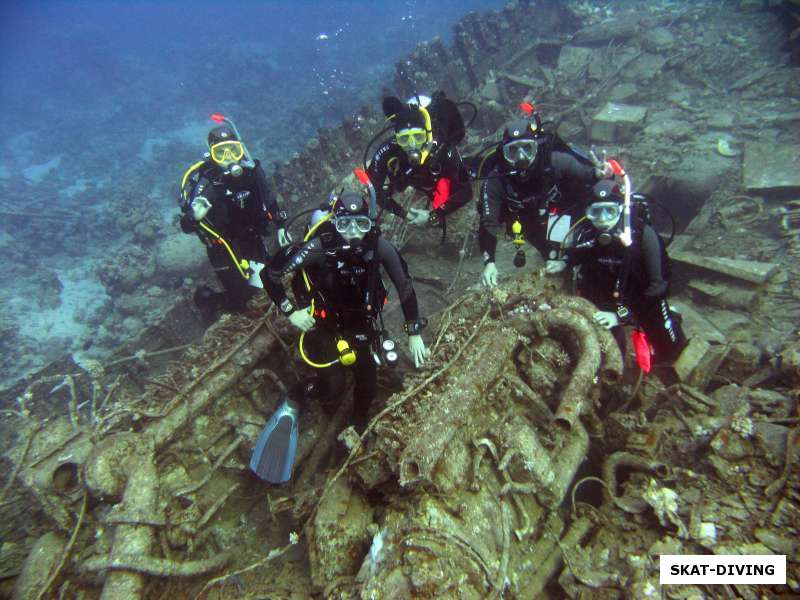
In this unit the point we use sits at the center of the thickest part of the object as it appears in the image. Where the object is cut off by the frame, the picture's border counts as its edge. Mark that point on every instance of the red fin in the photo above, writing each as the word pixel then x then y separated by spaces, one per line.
pixel 642 348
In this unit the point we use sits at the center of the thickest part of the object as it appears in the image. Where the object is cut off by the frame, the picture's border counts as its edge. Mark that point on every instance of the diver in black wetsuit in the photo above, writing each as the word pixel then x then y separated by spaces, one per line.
pixel 423 155
pixel 527 186
pixel 226 201
pixel 626 283
pixel 340 294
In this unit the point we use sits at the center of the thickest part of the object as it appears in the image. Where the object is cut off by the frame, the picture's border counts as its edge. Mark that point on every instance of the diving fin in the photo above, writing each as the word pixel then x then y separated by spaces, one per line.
pixel 273 456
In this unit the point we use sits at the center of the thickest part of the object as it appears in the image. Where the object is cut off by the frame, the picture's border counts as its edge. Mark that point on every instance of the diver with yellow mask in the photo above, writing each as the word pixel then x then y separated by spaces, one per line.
pixel 422 154
pixel 227 203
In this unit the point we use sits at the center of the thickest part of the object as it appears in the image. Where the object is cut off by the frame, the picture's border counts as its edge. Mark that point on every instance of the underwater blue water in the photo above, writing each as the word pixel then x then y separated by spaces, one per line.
pixel 152 63
pixel 106 103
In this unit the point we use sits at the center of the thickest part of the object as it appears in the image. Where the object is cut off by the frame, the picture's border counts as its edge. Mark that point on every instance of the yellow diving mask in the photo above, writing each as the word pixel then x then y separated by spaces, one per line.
pixel 229 151
pixel 411 138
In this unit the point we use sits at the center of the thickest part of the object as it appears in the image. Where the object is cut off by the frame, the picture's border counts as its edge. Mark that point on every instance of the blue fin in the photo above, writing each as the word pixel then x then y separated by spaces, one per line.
pixel 273 456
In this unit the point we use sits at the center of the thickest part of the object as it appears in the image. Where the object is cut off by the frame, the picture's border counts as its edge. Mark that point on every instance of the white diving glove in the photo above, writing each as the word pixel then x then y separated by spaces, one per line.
pixel 284 238
pixel 418 350
pixel 489 277
pixel 302 319
pixel 607 320
pixel 553 267
pixel 418 216
pixel 200 208
pixel 602 168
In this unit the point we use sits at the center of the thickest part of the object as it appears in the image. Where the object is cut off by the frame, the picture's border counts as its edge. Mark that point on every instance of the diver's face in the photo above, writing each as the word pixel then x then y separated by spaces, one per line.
pixel 227 153
pixel 604 215
pixel 412 141
pixel 520 154
pixel 353 228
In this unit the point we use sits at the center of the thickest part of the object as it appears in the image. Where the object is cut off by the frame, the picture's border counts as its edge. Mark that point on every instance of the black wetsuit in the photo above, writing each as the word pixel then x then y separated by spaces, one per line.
pixel 640 276
pixel 391 172
pixel 340 277
pixel 505 197
pixel 241 210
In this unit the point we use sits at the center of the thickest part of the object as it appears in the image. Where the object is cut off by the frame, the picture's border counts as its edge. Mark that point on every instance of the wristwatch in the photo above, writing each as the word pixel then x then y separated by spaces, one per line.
pixel 623 313
pixel 286 307
pixel 414 327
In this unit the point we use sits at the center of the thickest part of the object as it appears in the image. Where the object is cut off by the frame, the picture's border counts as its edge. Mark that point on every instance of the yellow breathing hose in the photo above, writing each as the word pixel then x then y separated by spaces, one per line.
pixel 311 308
pixel 240 265
pixel 188 173
pixel 428 134
pixel 571 229
pixel 477 188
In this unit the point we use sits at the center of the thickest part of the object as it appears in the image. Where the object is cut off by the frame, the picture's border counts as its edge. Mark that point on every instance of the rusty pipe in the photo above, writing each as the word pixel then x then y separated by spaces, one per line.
pixel 573 330
pixel 124 465
pixel 613 362
pixel 632 461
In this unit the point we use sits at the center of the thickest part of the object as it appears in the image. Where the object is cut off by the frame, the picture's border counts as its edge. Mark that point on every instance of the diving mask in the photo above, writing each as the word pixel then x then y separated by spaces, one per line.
pixel 353 227
pixel 604 215
pixel 226 152
pixel 520 153
pixel 411 138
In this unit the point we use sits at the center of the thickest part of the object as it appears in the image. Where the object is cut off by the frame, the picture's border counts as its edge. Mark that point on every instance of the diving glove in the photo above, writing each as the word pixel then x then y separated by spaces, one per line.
pixel 606 320
pixel 489 277
pixel 553 267
pixel 302 319
pixel 418 350
pixel 284 238
pixel 200 208
pixel 418 216
pixel 603 170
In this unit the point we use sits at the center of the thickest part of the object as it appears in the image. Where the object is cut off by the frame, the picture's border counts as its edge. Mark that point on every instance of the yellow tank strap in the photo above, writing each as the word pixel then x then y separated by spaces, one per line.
pixel 188 174
pixel 240 265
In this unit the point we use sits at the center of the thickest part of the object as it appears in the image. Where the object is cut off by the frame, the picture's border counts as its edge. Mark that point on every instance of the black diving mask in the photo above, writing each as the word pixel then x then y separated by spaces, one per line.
pixel 521 154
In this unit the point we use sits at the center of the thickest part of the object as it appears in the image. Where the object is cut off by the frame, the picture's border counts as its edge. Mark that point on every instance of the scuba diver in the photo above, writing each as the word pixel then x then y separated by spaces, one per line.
pixel 532 191
pixel 339 295
pixel 623 268
pixel 227 203
pixel 422 154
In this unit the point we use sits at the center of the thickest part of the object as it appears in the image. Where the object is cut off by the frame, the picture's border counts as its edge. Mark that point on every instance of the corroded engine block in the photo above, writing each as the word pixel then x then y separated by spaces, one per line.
pixel 472 462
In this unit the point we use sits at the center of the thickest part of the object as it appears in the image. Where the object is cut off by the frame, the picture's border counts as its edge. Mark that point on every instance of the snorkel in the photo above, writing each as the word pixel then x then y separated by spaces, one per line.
pixel 531 112
pixel 626 237
pixel 236 168
pixel 363 178
pixel 420 156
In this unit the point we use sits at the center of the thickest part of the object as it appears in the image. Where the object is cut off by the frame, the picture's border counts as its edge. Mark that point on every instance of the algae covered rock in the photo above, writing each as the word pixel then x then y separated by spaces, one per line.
pixel 180 254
